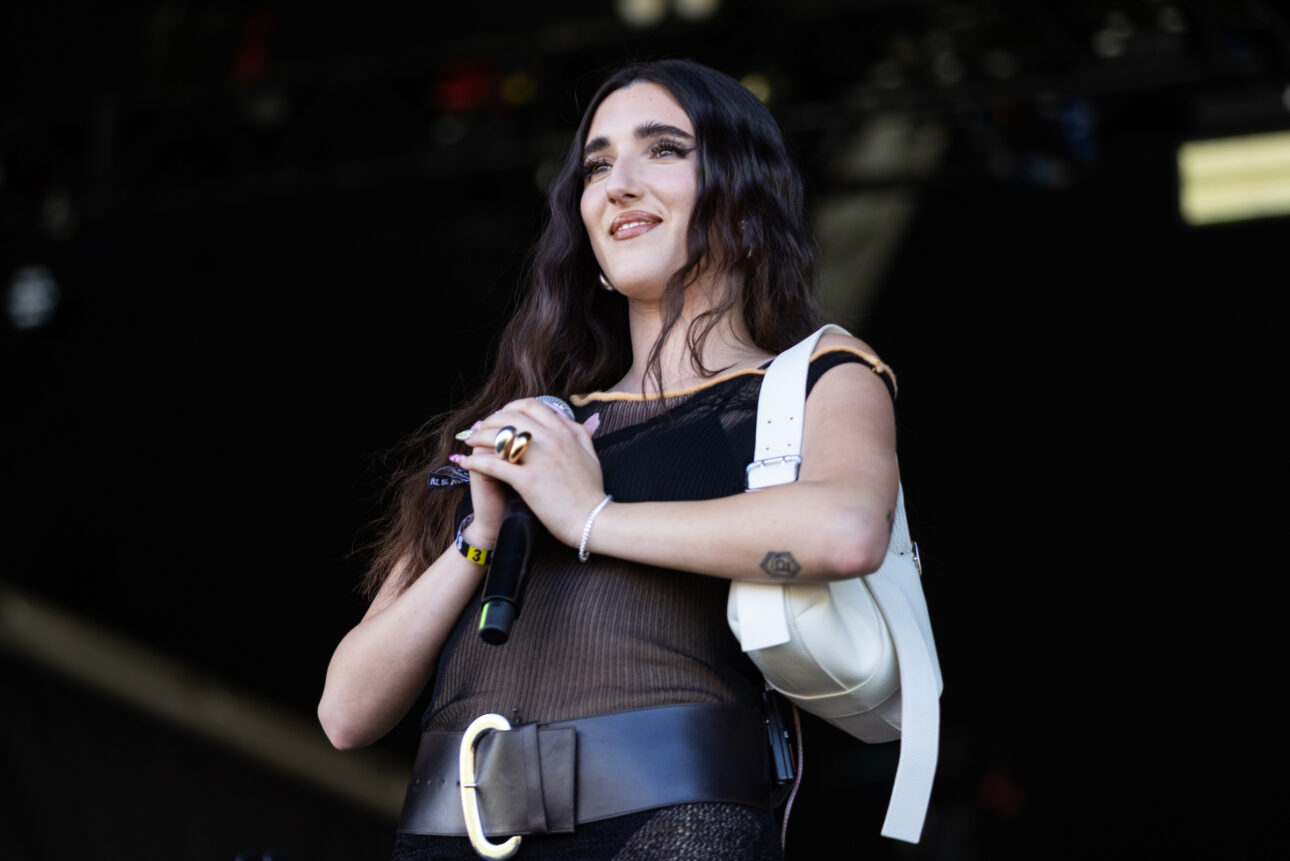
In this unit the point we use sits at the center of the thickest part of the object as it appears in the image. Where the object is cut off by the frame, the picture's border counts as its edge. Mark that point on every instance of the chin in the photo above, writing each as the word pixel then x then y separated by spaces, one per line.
pixel 641 281
pixel 641 288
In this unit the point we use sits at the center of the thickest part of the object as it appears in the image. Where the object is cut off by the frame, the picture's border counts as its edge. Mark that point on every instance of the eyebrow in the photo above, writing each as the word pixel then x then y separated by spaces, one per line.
pixel 644 131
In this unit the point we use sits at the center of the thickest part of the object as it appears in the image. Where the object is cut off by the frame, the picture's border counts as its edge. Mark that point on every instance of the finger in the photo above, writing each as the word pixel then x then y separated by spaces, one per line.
pixel 508 441
pixel 522 415
pixel 485 436
pixel 529 408
pixel 494 467
pixel 527 416
pixel 543 415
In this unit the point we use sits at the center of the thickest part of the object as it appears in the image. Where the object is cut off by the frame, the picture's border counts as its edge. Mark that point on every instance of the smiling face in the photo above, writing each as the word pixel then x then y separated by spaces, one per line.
pixel 640 185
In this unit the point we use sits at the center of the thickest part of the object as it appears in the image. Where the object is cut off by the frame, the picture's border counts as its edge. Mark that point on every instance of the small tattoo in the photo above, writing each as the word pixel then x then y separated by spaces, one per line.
pixel 781 564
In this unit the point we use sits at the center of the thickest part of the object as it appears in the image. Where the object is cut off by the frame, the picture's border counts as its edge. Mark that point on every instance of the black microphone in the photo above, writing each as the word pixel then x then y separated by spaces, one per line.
pixel 504 585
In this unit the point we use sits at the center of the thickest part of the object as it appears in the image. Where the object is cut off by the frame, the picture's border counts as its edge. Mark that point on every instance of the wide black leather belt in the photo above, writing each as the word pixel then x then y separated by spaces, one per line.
pixel 547 778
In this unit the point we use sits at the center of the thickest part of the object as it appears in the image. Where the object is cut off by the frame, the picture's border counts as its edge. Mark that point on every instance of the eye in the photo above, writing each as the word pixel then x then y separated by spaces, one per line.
pixel 666 147
pixel 594 166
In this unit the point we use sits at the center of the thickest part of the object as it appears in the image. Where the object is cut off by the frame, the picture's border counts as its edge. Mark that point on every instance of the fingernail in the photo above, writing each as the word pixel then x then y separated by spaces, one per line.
pixel 457 458
pixel 468 432
pixel 592 423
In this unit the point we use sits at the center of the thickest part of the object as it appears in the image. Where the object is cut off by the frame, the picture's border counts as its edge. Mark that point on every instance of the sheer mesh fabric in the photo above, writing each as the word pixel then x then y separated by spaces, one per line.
pixel 609 635
pixel 686 832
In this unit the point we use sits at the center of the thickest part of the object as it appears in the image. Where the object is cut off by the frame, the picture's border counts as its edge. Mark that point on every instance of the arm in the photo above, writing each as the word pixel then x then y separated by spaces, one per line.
pixel 383 663
pixel 834 521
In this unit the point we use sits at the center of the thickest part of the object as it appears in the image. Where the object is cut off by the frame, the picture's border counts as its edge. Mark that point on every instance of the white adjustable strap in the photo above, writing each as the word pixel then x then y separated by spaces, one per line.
pixel 780 412
pixel 777 456
pixel 900 598
pixel 781 408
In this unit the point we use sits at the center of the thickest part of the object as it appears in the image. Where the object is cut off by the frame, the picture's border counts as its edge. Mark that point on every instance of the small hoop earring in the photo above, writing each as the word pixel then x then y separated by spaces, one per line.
pixel 604 282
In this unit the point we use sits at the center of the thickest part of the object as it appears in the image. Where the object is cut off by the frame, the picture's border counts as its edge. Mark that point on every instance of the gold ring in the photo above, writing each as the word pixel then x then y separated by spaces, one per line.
pixel 502 442
pixel 518 446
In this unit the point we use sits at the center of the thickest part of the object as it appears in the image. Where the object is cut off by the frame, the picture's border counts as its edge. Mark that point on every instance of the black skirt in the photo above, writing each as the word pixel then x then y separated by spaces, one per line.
pixel 687 832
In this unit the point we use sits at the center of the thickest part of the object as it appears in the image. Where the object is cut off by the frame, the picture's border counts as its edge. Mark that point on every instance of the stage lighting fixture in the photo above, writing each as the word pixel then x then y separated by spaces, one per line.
pixel 1235 178
pixel 32 297
pixel 518 88
pixel 465 87
pixel 641 13
pixel 696 10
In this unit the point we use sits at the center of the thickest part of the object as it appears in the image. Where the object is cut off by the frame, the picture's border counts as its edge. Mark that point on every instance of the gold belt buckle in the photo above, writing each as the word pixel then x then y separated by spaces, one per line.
pixel 469 800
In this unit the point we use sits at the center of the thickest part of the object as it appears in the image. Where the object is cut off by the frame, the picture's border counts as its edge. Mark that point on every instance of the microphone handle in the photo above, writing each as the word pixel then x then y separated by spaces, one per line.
pixel 504 584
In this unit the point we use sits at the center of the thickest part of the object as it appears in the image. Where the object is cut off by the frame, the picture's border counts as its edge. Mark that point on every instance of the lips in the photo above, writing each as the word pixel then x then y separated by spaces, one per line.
pixel 634 223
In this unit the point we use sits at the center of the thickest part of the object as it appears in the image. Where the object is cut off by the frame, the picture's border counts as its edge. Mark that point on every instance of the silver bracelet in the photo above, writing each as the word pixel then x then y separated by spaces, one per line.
pixel 583 555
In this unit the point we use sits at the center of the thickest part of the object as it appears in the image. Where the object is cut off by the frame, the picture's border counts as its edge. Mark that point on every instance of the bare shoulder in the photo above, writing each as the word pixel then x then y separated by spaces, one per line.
pixel 851 400
pixel 870 368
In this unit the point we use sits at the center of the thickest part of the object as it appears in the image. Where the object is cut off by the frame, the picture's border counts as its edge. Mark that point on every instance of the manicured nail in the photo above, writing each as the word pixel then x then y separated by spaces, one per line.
pixel 592 423
pixel 468 432
pixel 457 458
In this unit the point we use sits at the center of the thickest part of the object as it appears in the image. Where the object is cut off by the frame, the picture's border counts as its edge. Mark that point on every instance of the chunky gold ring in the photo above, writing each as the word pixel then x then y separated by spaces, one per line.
pixel 502 442
pixel 518 446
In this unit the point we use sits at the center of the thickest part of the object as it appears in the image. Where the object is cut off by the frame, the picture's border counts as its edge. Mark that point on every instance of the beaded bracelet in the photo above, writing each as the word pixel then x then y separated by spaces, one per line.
pixel 583 555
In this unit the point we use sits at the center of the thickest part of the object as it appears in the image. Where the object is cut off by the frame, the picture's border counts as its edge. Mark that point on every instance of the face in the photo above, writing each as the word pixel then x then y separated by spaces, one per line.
pixel 640 184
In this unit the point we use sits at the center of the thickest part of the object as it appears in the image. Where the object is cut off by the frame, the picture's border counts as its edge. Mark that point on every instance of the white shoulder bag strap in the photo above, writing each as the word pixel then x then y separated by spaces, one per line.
pixel 777 460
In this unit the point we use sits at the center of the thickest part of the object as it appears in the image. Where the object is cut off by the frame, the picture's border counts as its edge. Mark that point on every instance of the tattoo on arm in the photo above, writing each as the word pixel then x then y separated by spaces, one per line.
pixel 780 564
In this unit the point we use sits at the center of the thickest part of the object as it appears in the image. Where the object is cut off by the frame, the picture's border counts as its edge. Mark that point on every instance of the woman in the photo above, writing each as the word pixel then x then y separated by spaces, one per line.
pixel 674 265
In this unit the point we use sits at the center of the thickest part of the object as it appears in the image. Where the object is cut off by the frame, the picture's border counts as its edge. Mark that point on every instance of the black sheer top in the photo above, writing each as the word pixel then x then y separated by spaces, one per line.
pixel 608 634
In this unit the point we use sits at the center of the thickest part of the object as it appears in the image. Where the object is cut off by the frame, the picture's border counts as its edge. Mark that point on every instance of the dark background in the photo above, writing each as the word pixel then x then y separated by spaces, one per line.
pixel 285 236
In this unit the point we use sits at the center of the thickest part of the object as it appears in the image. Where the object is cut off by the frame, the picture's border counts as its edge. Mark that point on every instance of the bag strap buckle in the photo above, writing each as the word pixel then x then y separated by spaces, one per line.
pixel 469 789
pixel 772 471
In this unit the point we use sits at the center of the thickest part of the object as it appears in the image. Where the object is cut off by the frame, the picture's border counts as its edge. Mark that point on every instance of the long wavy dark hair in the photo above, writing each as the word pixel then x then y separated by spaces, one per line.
pixel 748 225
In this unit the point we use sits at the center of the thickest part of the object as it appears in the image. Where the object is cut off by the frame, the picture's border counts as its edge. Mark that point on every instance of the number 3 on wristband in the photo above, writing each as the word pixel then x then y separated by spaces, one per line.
pixel 478 555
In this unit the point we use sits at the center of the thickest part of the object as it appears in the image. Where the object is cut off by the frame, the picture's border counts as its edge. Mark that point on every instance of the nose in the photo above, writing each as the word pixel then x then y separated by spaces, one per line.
pixel 622 184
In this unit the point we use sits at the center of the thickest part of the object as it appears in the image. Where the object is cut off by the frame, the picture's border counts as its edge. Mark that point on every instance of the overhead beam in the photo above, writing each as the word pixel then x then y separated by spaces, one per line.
pixel 186 697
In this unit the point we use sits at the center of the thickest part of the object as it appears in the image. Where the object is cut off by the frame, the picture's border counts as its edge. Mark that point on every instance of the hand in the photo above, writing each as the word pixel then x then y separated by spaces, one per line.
pixel 488 502
pixel 559 476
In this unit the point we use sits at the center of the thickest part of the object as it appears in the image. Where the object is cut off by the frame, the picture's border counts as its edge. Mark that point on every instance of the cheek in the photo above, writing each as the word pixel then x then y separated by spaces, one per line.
pixel 682 192
pixel 590 222
pixel 590 215
pixel 683 199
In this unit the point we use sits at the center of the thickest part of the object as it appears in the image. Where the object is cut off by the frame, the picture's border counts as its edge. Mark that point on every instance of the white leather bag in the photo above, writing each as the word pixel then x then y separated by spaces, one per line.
pixel 858 653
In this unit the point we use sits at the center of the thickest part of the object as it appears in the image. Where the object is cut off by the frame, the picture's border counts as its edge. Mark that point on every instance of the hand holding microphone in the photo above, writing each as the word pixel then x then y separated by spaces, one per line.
pixel 513 432
pixel 504 585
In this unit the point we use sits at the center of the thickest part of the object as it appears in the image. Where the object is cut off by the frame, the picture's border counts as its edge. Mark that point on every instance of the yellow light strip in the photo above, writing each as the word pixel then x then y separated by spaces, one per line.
pixel 181 695
pixel 1232 179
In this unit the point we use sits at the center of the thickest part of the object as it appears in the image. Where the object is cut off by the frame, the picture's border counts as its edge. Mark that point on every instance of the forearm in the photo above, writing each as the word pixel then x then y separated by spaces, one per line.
pixel 805 531
pixel 384 662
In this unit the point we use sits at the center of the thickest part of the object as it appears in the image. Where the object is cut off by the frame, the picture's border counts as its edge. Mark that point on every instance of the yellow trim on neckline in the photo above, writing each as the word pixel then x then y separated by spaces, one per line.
pixel 876 365
pixel 582 400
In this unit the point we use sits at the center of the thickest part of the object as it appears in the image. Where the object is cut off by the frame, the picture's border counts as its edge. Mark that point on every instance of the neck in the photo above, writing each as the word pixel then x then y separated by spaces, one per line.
pixel 728 345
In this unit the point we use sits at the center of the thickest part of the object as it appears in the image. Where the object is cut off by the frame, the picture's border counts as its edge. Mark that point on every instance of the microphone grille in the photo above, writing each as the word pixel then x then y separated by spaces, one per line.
pixel 556 404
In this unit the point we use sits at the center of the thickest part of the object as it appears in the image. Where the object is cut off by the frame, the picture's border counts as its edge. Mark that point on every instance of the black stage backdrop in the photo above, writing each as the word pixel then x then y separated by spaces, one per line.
pixel 1093 433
